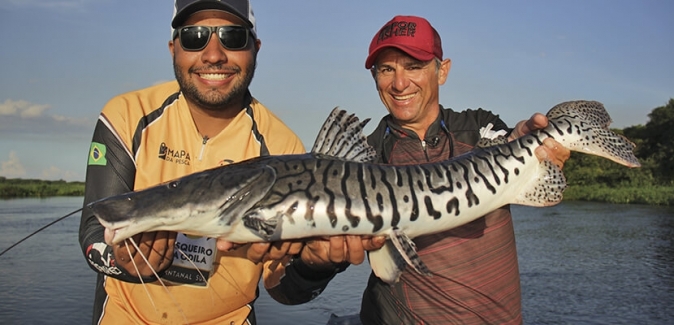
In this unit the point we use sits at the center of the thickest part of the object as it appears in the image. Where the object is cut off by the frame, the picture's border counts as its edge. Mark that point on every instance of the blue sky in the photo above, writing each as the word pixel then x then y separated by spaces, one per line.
pixel 61 60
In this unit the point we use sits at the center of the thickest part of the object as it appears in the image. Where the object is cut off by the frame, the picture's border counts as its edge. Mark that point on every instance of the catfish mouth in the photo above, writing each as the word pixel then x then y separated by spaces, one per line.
pixel 108 211
pixel 117 232
pixel 110 237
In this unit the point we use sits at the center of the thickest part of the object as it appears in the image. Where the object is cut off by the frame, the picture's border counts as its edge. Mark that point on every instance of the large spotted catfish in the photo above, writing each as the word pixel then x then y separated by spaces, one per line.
pixel 336 189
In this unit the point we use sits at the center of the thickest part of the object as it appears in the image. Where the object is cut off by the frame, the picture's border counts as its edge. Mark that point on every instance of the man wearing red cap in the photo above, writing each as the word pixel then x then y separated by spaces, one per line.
pixel 475 272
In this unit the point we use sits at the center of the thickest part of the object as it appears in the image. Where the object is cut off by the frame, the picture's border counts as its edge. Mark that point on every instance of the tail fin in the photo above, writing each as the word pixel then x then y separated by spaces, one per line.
pixel 583 126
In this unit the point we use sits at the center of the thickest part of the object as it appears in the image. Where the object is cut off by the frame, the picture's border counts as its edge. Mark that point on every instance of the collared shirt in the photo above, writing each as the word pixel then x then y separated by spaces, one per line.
pixel 147 137
pixel 475 272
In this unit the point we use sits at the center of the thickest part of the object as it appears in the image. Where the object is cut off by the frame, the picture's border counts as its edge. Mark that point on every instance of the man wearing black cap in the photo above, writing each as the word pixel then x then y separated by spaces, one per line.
pixel 204 119
pixel 475 273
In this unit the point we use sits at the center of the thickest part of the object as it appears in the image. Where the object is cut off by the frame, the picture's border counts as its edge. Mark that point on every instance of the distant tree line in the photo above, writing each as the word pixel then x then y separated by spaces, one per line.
pixel 15 188
pixel 597 179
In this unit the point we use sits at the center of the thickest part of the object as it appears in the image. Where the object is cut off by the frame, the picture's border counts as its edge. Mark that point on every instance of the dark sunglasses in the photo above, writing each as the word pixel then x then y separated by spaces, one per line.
pixel 195 38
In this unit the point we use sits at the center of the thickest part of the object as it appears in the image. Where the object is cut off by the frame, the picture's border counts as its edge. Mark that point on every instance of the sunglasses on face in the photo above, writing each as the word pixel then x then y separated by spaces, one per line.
pixel 195 38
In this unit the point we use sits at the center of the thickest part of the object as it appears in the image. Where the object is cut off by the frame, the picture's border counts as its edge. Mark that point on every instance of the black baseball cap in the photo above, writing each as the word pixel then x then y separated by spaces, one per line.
pixel 240 8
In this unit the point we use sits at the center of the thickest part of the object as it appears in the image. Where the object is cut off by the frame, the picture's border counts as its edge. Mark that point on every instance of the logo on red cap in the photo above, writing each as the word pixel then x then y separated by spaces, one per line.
pixel 397 28
pixel 413 35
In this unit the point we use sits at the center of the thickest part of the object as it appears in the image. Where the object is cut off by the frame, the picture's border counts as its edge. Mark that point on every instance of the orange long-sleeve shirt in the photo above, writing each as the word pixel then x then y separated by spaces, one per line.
pixel 147 137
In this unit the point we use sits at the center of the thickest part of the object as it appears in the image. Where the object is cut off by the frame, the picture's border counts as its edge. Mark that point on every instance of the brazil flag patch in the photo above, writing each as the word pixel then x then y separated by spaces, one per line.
pixel 97 154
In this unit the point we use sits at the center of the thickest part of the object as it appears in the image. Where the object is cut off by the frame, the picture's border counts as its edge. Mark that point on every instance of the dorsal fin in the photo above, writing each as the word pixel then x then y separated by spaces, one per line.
pixel 341 136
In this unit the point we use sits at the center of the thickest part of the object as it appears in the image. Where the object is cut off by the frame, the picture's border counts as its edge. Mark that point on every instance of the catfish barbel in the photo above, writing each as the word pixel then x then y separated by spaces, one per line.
pixel 336 189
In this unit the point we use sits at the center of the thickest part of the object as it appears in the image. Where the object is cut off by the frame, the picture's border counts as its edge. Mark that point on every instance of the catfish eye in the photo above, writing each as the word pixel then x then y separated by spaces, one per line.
pixel 173 184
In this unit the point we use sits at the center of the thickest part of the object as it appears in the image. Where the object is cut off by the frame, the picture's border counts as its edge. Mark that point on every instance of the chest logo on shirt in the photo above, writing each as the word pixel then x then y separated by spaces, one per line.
pixel 180 157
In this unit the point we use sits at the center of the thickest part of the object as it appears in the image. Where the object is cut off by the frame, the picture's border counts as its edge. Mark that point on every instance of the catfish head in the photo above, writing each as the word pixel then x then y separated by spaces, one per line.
pixel 208 203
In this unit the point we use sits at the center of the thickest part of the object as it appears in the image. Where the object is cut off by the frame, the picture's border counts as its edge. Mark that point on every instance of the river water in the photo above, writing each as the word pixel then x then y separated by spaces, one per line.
pixel 580 263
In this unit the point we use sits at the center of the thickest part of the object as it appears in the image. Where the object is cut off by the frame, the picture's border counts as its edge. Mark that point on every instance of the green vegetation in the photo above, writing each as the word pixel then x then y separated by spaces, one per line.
pixel 655 195
pixel 13 188
pixel 590 178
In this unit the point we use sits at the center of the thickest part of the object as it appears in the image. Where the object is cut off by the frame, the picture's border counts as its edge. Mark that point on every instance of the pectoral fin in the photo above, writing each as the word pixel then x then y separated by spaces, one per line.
pixel 546 189
pixel 408 250
pixel 389 262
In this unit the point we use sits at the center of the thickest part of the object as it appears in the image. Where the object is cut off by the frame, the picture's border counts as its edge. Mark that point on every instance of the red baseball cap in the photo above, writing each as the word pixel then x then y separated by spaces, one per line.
pixel 410 34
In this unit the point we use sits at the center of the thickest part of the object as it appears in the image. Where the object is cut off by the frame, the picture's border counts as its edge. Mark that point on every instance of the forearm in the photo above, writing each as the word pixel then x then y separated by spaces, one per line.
pixel 110 171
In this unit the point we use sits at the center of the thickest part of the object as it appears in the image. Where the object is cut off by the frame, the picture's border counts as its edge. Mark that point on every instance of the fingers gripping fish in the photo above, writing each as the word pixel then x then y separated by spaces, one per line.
pixel 336 189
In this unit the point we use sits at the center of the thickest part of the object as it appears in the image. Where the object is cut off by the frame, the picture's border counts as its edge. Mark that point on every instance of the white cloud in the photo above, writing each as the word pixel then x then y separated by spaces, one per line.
pixel 22 108
pixel 55 173
pixel 81 121
pixel 12 168
pixel 24 117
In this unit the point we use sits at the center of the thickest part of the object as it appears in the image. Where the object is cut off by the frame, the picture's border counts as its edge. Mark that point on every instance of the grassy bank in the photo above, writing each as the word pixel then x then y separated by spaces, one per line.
pixel 18 188
pixel 652 195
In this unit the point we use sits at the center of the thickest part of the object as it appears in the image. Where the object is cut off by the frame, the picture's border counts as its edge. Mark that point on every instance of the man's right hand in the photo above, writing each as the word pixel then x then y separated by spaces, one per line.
pixel 157 248
pixel 321 253
pixel 318 253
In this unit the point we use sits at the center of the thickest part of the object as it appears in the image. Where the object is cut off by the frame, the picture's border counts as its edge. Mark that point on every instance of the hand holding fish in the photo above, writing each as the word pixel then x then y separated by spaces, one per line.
pixel 551 149
pixel 318 253
pixel 322 253
pixel 156 253
pixel 260 252
pixel 535 122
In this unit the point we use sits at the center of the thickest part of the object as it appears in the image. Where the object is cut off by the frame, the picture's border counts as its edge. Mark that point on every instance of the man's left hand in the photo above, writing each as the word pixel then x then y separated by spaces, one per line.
pixel 551 149
pixel 317 253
